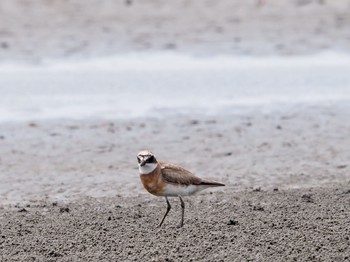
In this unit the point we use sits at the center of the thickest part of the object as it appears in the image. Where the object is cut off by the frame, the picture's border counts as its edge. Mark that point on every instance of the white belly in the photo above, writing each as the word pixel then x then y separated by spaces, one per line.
pixel 177 190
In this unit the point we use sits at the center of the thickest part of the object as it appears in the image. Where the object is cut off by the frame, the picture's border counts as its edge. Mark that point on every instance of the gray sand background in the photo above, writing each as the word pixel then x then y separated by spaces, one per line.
pixel 70 189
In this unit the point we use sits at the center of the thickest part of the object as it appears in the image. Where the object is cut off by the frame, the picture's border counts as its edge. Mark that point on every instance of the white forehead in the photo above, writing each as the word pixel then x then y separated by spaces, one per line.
pixel 144 154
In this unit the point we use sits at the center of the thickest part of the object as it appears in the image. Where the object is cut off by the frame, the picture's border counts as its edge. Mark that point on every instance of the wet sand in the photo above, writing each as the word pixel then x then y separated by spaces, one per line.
pixel 284 225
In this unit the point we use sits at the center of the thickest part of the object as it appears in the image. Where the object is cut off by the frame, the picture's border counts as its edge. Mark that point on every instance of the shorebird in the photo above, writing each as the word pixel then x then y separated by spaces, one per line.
pixel 169 180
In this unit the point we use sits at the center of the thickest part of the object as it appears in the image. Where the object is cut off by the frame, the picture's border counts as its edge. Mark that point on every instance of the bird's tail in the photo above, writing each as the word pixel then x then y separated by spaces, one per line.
pixel 211 183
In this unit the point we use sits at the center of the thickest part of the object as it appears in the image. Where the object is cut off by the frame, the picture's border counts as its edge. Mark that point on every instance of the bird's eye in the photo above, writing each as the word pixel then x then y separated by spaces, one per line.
pixel 138 160
pixel 150 159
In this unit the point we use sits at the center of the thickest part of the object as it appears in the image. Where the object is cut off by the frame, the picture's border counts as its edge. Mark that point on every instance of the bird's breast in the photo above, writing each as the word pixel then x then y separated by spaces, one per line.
pixel 152 183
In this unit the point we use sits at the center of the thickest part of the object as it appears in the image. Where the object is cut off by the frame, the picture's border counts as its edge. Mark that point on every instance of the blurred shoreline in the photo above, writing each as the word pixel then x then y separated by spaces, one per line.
pixel 34 30
pixel 161 85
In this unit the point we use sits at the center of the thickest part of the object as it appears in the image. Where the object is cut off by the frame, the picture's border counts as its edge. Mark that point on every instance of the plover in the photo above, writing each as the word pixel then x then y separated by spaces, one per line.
pixel 169 180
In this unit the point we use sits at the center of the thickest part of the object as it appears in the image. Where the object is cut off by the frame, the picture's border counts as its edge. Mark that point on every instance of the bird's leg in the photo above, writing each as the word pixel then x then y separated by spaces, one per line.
pixel 182 212
pixel 167 211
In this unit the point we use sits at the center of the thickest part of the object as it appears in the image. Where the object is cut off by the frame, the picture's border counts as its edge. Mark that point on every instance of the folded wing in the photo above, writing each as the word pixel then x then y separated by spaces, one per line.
pixel 177 175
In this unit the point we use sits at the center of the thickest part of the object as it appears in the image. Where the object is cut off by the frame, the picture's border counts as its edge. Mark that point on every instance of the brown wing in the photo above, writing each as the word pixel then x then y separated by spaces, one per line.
pixel 177 175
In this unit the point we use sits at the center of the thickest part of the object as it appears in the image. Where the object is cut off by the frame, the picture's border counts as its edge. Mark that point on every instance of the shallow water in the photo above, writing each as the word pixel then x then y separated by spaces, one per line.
pixel 159 84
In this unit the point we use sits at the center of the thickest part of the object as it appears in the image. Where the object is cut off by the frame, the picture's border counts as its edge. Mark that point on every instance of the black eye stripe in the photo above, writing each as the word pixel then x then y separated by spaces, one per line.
pixel 146 158
pixel 150 159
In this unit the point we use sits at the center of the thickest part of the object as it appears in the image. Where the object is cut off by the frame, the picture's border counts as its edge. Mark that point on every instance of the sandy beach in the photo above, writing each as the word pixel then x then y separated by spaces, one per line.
pixel 275 130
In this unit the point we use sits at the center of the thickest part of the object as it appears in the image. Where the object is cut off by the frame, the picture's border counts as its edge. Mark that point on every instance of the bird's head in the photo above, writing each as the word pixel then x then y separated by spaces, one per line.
pixel 147 161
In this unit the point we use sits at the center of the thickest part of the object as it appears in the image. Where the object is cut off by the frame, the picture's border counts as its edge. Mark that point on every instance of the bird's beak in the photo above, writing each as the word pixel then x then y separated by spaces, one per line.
pixel 143 162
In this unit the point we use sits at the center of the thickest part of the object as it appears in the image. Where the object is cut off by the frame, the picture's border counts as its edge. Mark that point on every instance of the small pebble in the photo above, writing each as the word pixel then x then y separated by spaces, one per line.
pixel 64 210
pixel 232 222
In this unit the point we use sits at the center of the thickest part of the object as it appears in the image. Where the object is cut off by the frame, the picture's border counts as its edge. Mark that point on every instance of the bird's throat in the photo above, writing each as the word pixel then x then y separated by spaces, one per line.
pixel 148 168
